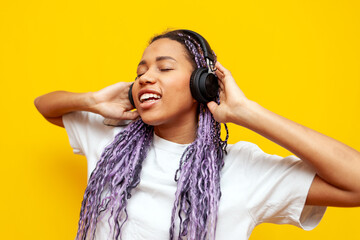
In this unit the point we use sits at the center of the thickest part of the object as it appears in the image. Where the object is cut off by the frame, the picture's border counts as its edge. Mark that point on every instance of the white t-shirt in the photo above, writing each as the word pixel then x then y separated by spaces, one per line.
pixel 256 187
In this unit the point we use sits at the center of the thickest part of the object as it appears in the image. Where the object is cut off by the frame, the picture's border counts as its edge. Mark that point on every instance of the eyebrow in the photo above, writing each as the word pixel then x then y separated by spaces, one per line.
pixel 160 58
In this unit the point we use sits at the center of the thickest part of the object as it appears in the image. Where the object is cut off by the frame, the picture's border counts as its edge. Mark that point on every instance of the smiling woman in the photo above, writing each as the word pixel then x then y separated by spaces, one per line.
pixel 165 71
pixel 220 191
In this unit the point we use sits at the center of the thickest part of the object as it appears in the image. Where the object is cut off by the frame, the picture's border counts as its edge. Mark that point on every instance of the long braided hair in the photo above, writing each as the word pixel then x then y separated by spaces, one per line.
pixel 198 176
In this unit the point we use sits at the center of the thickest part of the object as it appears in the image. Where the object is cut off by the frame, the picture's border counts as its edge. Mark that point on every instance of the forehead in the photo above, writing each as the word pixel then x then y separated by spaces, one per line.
pixel 164 47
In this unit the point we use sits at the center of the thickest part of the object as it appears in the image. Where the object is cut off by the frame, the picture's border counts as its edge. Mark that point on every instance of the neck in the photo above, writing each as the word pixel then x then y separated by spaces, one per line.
pixel 181 133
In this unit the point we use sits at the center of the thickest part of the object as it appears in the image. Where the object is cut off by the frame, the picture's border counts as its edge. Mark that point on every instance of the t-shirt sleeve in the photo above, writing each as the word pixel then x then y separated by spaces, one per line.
pixel 89 134
pixel 279 188
pixel 74 124
pixel 86 131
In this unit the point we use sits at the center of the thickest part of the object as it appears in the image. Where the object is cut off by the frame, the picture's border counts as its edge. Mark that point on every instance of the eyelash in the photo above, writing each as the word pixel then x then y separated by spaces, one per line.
pixel 166 69
pixel 162 70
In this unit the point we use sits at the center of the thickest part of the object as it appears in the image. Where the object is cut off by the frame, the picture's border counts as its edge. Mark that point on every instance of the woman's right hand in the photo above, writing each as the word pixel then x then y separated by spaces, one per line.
pixel 113 102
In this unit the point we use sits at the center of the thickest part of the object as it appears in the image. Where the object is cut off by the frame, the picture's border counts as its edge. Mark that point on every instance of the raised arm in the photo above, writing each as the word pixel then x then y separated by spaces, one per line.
pixel 110 102
pixel 337 165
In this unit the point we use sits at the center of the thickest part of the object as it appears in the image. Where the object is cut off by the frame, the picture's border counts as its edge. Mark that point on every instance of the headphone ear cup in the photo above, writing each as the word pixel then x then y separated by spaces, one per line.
pixel 130 96
pixel 204 86
pixel 195 84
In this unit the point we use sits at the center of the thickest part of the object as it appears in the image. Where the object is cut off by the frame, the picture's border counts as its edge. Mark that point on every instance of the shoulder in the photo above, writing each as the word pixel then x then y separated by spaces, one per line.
pixel 82 117
pixel 249 158
pixel 241 151
pixel 92 120
pixel 242 147
pixel 87 131
pixel 238 156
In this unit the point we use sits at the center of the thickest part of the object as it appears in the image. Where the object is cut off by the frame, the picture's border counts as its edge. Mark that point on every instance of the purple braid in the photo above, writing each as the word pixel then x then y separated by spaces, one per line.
pixel 198 176
pixel 198 189
pixel 116 174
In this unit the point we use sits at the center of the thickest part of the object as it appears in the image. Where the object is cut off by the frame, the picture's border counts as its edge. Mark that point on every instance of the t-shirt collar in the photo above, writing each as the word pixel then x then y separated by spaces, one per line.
pixel 167 145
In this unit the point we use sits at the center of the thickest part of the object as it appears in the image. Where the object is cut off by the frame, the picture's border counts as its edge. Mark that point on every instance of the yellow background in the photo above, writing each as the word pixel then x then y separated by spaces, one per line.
pixel 300 59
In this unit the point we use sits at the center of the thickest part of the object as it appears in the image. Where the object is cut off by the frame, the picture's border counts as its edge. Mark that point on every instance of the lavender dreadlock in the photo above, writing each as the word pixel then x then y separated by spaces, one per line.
pixel 198 176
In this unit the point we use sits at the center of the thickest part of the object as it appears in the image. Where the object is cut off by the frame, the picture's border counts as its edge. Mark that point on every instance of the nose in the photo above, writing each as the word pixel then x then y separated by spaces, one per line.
pixel 147 78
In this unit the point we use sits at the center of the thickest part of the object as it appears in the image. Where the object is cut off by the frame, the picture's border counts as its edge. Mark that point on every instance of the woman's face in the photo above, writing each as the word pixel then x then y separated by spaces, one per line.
pixel 161 92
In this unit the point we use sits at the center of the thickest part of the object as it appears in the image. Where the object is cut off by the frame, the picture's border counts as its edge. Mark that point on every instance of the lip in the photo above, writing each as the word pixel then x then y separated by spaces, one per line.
pixel 142 91
pixel 148 104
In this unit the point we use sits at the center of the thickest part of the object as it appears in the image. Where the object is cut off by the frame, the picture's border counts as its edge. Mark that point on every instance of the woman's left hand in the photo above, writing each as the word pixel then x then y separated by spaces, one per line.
pixel 232 99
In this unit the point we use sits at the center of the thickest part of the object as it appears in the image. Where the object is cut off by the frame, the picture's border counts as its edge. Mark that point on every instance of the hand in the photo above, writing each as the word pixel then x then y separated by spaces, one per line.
pixel 113 102
pixel 231 97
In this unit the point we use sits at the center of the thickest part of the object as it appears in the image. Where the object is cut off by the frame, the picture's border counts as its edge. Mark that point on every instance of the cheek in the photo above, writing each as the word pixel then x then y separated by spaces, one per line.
pixel 183 86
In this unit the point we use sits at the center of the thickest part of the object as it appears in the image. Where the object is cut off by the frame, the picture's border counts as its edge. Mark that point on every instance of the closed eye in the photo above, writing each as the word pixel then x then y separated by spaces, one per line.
pixel 161 70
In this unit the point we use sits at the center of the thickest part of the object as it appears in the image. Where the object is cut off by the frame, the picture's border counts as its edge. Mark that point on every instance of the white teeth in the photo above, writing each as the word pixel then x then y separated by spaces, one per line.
pixel 147 96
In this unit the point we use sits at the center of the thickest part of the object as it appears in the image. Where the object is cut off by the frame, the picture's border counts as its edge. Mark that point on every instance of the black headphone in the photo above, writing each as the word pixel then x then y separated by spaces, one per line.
pixel 203 81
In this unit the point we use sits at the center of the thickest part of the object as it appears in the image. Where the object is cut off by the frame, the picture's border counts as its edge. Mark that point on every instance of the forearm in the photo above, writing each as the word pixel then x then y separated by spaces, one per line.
pixel 335 162
pixel 58 103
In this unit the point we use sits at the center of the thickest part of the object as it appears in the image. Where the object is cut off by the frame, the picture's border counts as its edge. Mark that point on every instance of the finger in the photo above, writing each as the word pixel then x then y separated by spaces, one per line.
pixel 130 115
pixel 218 71
pixel 221 85
pixel 212 106
pixel 218 66
pixel 219 74
pixel 222 69
pixel 129 106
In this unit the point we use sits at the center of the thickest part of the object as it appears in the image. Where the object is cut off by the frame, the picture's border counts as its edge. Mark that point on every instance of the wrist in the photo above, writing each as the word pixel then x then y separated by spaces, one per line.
pixel 89 101
pixel 246 113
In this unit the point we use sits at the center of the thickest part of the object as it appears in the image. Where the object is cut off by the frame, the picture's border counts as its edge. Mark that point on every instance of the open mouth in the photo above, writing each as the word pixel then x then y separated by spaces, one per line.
pixel 147 97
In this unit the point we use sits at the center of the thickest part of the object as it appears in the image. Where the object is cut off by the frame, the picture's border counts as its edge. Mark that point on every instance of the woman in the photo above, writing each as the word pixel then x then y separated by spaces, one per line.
pixel 219 192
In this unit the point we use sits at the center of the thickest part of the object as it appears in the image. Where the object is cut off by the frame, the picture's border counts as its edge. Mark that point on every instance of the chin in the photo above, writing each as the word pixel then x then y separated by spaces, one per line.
pixel 151 120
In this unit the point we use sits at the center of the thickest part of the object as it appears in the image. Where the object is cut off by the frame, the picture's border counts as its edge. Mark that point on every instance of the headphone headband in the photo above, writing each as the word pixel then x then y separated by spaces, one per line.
pixel 208 53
